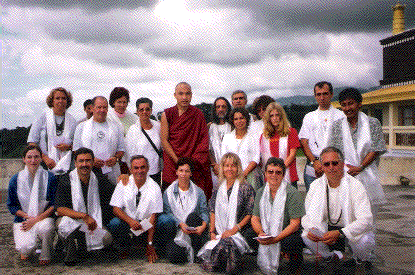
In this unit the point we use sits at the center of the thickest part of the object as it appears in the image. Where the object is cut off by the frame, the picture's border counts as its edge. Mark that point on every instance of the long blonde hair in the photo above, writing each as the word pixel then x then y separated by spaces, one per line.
pixel 236 160
pixel 283 129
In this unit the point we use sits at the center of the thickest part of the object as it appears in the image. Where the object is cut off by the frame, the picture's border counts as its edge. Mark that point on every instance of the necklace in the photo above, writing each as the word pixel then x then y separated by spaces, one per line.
pixel 328 209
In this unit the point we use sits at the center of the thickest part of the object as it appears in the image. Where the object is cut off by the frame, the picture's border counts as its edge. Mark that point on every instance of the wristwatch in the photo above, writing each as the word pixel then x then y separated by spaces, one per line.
pixel 150 243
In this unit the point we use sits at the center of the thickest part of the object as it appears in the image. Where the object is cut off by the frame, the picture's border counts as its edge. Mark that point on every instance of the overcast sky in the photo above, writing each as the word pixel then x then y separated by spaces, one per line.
pixel 274 47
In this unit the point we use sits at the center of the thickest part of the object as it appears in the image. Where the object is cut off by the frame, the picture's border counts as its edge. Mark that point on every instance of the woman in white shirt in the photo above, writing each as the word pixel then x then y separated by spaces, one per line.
pixel 243 143
pixel 138 143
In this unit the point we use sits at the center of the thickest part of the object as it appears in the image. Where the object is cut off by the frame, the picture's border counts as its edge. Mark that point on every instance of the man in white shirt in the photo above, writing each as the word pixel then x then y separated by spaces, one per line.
pixel 136 206
pixel 219 126
pixel 105 139
pixel 338 212
pixel 315 130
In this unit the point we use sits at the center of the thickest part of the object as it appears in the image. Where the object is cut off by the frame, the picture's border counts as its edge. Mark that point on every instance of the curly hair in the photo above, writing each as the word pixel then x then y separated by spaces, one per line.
pixel 241 110
pixel 117 93
pixel 49 98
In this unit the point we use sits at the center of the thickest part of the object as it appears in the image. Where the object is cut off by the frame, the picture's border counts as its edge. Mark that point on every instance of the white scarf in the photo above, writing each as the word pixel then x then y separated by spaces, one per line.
pixel 145 208
pixel 111 141
pixel 32 201
pixel 316 206
pixel 68 225
pixel 369 175
pixel 181 212
pixel 272 219
pixel 216 138
pixel 62 159
pixel 225 219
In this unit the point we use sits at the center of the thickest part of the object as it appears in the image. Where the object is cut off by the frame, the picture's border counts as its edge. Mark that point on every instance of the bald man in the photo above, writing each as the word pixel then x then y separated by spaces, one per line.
pixel 184 133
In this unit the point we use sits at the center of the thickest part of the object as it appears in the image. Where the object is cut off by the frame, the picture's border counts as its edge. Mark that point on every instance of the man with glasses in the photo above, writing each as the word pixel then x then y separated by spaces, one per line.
pixel 315 130
pixel 276 219
pixel 338 213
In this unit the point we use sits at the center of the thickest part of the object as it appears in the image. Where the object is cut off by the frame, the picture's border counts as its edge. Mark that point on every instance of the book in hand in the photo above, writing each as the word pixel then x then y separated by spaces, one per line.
pixel 263 237
pixel 145 225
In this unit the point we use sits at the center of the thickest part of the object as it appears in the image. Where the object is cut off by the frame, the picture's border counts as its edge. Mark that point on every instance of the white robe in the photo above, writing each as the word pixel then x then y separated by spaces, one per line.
pixel 272 219
pixel 181 213
pixel 94 239
pixel 370 175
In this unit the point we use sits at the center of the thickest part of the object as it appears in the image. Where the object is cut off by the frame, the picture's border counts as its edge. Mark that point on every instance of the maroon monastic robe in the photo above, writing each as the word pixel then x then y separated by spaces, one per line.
pixel 189 137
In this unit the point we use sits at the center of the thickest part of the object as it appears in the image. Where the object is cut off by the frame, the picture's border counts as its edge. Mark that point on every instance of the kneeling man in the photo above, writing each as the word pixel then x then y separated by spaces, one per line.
pixel 136 205
pixel 82 204
pixel 338 212
pixel 276 219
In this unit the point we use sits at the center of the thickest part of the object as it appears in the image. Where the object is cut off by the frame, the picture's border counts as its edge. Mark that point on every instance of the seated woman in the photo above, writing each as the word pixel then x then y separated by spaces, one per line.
pixel 31 200
pixel 185 203
pixel 279 140
pixel 276 219
pixel 230 212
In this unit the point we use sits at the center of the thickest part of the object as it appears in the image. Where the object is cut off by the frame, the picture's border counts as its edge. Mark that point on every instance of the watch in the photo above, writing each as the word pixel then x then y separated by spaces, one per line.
pixel 150 243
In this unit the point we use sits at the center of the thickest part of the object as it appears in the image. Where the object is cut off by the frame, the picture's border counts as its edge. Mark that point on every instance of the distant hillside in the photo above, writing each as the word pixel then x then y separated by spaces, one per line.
pixel 309 100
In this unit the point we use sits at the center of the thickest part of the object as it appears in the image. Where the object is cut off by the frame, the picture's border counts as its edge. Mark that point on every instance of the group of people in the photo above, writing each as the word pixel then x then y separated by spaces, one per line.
pixel 192 191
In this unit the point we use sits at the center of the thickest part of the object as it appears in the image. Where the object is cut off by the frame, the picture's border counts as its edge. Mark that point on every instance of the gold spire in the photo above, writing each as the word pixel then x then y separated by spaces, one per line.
pixel 398 18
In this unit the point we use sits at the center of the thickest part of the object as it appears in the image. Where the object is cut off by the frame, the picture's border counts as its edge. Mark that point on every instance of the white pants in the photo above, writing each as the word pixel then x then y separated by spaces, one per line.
pixel 26 241
pixel 362 249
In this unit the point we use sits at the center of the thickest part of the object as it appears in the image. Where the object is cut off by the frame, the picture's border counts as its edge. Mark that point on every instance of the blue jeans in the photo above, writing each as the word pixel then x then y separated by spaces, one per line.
pixel 308 180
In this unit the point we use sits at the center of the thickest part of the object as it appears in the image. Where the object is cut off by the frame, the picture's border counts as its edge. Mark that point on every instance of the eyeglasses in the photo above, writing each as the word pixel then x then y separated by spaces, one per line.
pixel 144 109
pixel 333 163
pixel 272 172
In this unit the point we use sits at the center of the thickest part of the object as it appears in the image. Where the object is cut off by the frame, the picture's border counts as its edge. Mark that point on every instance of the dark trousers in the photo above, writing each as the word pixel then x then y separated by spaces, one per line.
pixel 74 246
pixel 121 234
pixel 293 246
pixel 178 254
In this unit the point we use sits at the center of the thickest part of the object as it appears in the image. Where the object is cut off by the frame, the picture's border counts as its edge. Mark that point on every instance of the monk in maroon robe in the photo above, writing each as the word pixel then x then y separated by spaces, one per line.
pixel 184 133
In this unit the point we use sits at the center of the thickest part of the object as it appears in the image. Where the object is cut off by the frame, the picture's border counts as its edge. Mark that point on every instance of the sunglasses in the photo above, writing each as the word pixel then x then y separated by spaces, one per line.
pixel 272 172
pixel 333 163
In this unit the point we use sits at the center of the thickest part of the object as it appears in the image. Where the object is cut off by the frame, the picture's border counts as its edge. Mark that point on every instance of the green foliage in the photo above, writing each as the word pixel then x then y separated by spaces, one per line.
pixel 13 141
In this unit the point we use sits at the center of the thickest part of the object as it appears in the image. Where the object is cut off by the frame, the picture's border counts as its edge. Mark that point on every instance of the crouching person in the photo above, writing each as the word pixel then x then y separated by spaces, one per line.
pixel 276 219
pixel 82 202
pixel 136 205
pixel 338 212
pixel 185 204
pixel 31 200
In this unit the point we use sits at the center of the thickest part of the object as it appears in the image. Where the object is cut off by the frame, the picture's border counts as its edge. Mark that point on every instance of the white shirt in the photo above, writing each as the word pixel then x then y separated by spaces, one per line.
pixel 316 126
pixel 151 201
pixel 100 137
pixel 138 144
pixel 246 148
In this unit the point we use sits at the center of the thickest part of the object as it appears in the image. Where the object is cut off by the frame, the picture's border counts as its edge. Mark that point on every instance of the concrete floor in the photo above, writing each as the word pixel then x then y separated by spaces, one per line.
pixel 395 253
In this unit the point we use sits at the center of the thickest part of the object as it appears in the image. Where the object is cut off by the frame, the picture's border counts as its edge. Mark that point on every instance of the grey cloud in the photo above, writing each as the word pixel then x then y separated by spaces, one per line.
pixel 102 31
pixel 89 5
pixel 323 15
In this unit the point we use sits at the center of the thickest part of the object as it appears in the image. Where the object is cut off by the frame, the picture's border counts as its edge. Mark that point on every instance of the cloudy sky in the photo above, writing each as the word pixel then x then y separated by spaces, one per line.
pixel 279 48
